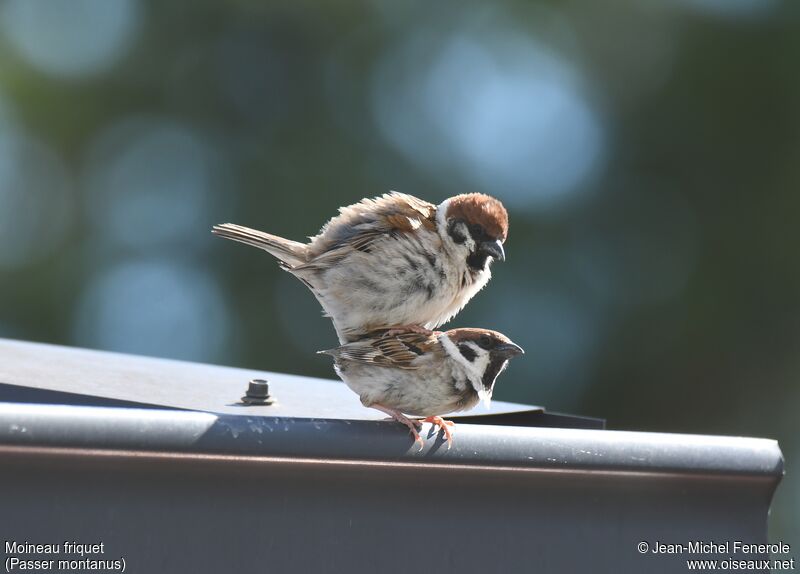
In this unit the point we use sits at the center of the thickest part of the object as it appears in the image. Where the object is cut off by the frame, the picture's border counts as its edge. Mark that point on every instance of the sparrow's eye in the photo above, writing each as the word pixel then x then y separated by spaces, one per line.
pixel 485 342
pixel 476 230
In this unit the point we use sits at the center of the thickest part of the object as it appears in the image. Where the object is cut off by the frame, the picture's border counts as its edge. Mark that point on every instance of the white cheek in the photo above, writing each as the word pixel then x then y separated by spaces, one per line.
pixel 474 368
pixel 460 251
pixel 452 350
pixel 479 364
pixel 465 248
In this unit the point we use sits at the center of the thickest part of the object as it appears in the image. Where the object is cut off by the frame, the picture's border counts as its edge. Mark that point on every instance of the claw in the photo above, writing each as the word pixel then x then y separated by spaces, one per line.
pixel 413 424
pixel 447 428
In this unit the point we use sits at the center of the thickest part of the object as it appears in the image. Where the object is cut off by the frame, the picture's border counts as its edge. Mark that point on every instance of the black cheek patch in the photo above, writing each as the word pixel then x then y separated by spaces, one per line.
pixel 477 261
pixel 478 234
pixel 492 370
pixel 454 232
pixel 467 352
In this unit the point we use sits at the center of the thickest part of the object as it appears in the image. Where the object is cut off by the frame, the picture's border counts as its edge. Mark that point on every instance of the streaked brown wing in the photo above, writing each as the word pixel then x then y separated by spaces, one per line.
pixel 398 351
pixel 360 225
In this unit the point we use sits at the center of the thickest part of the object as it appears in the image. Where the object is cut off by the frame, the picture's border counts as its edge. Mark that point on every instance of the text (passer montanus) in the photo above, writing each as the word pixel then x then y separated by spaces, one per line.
pixel 393 262
pixel 424 375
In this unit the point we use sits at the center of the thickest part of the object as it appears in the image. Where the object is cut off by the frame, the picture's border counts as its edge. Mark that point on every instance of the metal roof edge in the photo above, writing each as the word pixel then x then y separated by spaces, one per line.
pixel 194 433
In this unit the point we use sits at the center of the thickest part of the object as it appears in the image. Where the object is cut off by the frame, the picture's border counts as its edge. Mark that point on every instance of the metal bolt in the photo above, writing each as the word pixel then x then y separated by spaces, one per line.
pixel 258 393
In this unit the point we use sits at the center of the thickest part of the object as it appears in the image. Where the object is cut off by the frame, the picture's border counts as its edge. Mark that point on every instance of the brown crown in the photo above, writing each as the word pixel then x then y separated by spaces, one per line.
pixel 482 209
pixel 473 334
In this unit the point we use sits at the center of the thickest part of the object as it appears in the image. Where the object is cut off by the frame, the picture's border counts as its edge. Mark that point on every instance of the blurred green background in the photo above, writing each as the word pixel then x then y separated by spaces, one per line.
pixel 648 153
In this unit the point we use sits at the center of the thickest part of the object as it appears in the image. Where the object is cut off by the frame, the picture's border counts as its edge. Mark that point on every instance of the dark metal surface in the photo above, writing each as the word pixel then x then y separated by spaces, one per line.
pixel 200 515
pixel 180 491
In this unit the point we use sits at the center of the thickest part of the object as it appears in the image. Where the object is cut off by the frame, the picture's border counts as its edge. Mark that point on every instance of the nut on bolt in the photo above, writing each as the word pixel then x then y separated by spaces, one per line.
pixel 258 393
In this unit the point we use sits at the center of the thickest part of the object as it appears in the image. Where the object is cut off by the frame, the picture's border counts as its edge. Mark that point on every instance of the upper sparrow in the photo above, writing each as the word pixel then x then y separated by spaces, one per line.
pixel 424 375
pixel 394 261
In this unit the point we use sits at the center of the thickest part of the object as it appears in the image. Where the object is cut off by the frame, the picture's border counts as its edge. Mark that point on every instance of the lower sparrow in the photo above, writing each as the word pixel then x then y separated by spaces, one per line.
pixel 424 375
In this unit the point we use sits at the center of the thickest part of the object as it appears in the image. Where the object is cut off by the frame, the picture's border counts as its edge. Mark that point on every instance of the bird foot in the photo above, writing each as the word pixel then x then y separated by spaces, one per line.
pixel 447 428
pixel 403 329
pixel 413 425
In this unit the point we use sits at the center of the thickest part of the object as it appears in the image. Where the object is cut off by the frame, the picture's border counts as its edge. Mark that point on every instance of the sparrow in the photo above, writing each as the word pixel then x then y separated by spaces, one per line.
pixel 423 375
pixel 393 261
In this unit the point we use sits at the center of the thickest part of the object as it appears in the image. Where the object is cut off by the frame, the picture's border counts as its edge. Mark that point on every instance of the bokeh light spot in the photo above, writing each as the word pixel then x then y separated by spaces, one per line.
pixel 504 111
pixel 155 307
pixel 150 183
pixel 70 39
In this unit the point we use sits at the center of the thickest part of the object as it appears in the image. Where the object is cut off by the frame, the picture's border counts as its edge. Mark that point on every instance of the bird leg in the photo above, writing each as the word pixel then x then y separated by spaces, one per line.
pixel 403 329
pixel 412 424
pixel 446 426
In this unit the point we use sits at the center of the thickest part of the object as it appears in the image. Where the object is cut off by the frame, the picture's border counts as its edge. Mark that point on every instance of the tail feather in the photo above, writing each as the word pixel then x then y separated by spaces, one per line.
pixel 290 253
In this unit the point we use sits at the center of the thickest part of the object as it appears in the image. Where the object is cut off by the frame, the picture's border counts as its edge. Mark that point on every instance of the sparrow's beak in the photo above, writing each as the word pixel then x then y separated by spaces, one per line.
pixel 508 350
pixel 494 248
